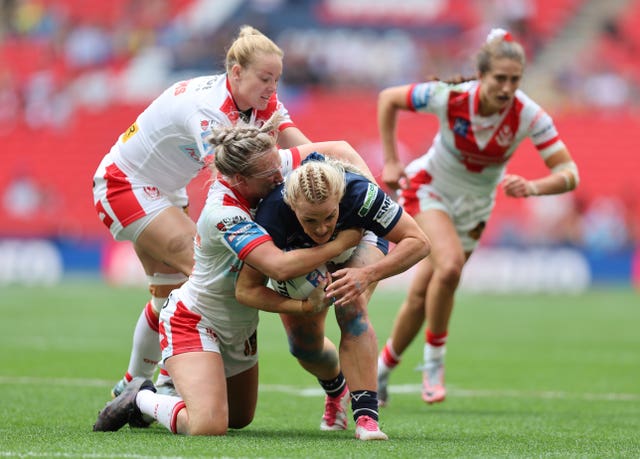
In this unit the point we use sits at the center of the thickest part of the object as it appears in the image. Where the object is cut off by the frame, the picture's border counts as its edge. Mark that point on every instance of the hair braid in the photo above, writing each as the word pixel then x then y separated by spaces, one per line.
pixel 315 182
pixel 237 147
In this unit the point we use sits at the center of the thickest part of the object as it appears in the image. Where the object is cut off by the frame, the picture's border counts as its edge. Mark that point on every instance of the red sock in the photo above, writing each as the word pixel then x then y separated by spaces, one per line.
pixel 389 357
pixel 435 340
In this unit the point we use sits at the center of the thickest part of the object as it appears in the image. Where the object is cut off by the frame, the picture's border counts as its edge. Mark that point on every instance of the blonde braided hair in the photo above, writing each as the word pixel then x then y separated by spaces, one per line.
pixel 315 182
pixel 237 147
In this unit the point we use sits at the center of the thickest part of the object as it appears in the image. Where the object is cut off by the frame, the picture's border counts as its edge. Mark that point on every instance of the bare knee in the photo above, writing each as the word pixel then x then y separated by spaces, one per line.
pixel 415 300
pixel 207 427
pixel 353 320
pixel 450 272
pixel 307 352
pixel 240 420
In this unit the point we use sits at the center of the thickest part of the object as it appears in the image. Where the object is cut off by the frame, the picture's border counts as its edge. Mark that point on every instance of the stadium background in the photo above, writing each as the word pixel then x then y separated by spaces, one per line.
pixel 75 74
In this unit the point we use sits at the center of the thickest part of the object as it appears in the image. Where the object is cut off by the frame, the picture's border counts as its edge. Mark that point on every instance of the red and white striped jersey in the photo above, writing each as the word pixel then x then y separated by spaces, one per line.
pixel 166 146
pixel 470 151
pixel 226 234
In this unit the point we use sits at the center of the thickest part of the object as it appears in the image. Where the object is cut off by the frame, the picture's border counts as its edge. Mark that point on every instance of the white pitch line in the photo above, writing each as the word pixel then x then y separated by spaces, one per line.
pixel 29 454
pixel 316 391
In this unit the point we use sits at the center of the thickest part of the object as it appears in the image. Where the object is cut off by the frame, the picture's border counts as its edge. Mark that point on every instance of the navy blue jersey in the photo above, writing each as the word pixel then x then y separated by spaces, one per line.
pixel 364 205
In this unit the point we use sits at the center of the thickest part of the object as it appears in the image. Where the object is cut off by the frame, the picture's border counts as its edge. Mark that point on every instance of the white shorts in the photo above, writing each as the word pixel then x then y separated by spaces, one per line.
pixel 182 330
pixel 125 205
pixel 468 213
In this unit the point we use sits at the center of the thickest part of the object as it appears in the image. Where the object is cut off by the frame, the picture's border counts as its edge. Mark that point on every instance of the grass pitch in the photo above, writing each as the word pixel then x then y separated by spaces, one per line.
pixel 528 376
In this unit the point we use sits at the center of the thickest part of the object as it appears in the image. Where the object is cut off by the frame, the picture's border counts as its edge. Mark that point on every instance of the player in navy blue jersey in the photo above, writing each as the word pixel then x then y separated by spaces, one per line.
pixel 318 199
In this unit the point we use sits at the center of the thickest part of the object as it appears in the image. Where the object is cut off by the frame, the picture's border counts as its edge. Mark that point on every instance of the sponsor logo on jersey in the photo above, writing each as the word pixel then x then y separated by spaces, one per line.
pixel 542 131
pixel 207 84
pixel 129 132
pixel 461 127
pixel 387 211
pixel 191 151
pixel 226 223
pixel 240 234
pixel 206 146
pixel 181 88
pixel 421 95
pixel 372 192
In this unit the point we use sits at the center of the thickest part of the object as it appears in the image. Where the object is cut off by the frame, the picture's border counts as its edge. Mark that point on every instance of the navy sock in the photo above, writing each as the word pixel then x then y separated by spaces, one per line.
pixel 364 403
pixel 333 387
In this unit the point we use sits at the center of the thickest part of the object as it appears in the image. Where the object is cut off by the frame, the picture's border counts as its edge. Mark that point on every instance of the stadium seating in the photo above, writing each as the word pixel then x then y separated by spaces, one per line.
pixel 61 161
pixel 620 47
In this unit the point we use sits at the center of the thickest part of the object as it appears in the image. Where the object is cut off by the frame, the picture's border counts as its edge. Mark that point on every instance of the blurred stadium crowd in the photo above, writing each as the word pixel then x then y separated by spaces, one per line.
pixel 73 75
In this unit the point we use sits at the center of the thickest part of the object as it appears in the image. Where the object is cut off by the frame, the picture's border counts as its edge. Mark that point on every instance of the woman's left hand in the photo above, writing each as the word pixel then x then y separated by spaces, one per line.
pixel 347 285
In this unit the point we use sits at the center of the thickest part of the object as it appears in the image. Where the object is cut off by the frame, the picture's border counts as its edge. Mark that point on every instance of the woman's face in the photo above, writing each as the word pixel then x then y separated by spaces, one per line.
pixel 255 84
pixel 266 175
pixel 498 85
pixel 318 220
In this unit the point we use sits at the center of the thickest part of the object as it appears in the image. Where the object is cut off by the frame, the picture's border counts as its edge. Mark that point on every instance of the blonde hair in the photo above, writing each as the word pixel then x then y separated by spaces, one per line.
pixel 315 182
pixel 247 45
pixel 237 147
pixel 499 44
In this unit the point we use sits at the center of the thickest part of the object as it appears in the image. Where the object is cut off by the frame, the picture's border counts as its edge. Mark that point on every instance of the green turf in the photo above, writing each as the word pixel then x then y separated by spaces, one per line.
pixel 528 376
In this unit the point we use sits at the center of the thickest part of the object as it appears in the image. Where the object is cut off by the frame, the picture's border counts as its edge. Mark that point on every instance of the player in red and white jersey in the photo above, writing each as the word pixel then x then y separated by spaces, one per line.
pixel 451 189
pixel 140 185
pixel 209 339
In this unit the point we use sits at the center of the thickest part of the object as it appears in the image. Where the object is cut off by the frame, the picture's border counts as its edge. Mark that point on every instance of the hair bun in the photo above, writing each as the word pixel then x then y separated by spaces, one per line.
pixel 499 34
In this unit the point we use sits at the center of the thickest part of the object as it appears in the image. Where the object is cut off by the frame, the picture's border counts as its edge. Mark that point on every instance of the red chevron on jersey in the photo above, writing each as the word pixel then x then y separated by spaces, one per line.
pixel 474 157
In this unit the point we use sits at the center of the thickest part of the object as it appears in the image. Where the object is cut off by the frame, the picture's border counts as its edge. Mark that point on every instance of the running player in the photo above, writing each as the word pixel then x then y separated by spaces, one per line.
pixel 450 190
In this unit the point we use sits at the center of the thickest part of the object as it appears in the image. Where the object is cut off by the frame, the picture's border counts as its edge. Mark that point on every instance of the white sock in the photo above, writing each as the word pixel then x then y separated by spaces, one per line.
pixel 145 352
pixel 433 352
pixel 163 379
pixel 383 369
pixel 162 408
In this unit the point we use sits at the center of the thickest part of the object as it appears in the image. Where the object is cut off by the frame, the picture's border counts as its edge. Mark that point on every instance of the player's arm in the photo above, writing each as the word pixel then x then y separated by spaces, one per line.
pixel 563 177
pixel 411 246
pixel 280 265
pixel 390 101
pixel 252 291
pixel 292 137
pixel 338 149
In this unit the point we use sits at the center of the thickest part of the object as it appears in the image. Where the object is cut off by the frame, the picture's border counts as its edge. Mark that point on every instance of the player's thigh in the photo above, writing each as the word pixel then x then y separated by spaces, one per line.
pixel 446 246
pixel 167 239
pixel 305 331
pixel 417 291
pixel 200 380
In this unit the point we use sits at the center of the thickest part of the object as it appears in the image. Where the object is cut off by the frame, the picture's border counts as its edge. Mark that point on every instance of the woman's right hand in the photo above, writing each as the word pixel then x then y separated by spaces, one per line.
pixel 317 300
